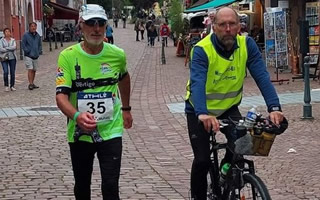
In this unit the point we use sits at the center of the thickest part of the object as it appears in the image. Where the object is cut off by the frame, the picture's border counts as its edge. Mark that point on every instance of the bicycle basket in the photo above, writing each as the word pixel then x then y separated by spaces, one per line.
pixel 254 145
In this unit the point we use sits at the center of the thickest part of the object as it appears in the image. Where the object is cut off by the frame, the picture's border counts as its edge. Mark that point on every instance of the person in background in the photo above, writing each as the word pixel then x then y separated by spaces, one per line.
pixel 124 19
pixel 243 29
pixel 210 22
pixel 142 28
pixel 148 24
pixel 8 48
pixel 109 33
pixel 115 20
pixel 164 33
pixel 32 47
pixel 152 34
pixel 136 28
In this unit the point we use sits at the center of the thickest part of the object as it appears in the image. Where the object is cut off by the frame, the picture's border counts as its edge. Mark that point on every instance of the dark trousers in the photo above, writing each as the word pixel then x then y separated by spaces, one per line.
pixel 142 34
pixel 6 66
pixel 165 41
pixel 110 39
pixel 199 138
pixel 137 35
pixel 152 38
pixel 109 156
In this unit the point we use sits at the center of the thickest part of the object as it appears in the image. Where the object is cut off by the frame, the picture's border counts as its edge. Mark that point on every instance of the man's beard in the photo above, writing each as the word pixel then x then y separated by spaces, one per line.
pixel 228 41
pixel 92 41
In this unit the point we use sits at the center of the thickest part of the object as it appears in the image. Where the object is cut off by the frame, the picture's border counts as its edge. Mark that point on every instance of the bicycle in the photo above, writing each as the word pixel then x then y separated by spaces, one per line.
pixel 241 182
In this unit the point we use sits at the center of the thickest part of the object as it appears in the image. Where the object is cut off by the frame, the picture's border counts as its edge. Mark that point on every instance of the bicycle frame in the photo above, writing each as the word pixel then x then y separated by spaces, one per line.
pixel 234 176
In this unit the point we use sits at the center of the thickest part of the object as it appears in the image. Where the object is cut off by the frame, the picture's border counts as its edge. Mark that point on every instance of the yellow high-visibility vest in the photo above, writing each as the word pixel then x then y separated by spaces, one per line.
pixel 225 77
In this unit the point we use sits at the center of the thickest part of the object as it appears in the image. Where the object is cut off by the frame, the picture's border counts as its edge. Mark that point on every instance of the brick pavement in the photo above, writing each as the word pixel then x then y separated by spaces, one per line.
pixel 34 159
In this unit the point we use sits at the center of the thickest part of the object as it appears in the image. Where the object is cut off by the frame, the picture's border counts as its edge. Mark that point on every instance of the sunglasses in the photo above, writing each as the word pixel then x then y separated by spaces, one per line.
pixel 93 22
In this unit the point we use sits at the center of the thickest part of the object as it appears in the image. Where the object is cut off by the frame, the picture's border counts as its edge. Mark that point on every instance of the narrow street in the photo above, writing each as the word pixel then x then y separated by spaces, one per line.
pixel 157 156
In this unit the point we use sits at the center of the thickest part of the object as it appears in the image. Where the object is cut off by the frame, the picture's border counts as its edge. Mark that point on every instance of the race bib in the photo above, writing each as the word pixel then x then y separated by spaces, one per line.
pixel 100 104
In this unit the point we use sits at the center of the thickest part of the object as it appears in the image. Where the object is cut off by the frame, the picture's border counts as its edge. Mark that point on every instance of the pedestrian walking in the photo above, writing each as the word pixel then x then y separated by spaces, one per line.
pixel 124 19
pixel 32 47
pixel 152 34
pixel 142 28
pixel 164 33
pixel 8 59
pixel 136 28
pixel 93 91
pixel 109 33
pixel 148 24
pixel 115 20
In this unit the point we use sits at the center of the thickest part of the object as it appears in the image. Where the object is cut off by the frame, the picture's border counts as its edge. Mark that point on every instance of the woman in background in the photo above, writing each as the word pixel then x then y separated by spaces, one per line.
pixel 8 47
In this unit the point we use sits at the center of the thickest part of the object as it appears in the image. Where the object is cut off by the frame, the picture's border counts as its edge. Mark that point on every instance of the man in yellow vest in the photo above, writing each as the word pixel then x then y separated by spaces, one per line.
pixel 214 91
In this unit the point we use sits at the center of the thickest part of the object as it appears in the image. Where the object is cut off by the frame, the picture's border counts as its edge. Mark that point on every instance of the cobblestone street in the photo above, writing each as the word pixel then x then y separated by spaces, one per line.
pixel 34 154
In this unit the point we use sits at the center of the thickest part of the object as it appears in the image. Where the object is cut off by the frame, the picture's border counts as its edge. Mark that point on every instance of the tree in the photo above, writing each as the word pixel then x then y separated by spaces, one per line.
pixel 175 16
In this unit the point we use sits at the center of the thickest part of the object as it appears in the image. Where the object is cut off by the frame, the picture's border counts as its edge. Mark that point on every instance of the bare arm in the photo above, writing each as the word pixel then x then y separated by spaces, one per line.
pixel 125 88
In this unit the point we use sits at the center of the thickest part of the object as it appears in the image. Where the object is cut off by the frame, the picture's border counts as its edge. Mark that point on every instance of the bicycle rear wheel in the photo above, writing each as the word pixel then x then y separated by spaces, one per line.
pixel 253 189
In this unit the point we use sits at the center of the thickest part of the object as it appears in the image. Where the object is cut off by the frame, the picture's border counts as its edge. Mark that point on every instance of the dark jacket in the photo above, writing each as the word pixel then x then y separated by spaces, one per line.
pixel 31 44
pixel 153 32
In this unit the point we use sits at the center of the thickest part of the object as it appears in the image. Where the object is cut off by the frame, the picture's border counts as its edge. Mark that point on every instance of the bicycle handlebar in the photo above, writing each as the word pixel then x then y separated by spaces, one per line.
pixel 260 125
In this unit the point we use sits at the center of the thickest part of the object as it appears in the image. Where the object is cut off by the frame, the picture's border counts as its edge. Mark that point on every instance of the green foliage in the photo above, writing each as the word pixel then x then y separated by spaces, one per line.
pixel 175 17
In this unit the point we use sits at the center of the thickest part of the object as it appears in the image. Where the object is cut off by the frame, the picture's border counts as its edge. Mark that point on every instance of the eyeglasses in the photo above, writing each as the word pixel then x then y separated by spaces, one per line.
pixel 224 25
pixel 93 22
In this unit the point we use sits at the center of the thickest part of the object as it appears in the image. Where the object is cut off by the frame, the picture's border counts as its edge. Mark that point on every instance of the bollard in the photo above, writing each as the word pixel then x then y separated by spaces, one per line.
pixel 61 42
pixel 163 57
pixel 307 107
pixel 55 41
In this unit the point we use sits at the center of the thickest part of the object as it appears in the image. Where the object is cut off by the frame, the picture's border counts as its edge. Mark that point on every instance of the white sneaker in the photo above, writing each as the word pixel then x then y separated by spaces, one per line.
pixel 7 89
pixel 13 89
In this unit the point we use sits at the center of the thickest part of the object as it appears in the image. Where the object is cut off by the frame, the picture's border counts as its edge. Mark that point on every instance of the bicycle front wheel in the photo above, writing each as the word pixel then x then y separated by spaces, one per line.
pixel 253 188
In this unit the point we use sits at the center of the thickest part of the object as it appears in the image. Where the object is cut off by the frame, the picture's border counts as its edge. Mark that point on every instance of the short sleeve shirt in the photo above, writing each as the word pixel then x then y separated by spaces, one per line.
pixel 109 63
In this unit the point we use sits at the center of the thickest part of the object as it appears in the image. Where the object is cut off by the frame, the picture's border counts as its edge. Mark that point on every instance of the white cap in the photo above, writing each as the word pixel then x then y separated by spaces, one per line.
pixel 90 11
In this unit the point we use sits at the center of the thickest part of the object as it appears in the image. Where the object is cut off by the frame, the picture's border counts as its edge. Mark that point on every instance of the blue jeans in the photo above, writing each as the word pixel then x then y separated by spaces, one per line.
pixel 5 66
pixel 109 156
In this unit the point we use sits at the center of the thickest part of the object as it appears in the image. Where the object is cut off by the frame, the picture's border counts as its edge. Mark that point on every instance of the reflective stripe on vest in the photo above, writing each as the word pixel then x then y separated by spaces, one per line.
pixel 225 77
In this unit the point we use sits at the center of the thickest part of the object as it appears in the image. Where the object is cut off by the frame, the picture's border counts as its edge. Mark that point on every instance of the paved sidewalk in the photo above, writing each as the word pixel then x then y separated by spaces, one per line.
pixel 34 154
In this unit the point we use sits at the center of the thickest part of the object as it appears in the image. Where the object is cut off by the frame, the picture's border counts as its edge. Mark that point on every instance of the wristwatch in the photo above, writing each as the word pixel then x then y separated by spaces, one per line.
pixel 127 108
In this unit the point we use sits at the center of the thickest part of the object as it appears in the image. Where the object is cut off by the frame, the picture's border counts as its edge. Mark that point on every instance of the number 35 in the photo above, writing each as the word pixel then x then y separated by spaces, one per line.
pixel 99 108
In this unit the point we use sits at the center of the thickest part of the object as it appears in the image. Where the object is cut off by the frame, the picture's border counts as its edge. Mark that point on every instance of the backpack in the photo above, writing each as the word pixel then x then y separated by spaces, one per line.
pixel 165 30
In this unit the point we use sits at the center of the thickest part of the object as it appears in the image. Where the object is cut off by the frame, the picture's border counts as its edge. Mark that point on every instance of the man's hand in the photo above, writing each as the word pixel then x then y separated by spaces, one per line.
pixel 276 117
pixel 86 121
pixel 127 119
pixel 209 123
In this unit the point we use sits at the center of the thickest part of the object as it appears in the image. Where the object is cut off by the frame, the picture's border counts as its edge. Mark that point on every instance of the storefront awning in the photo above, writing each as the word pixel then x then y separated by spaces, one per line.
pixel 199 3
pixel 210 5
pixel 64 12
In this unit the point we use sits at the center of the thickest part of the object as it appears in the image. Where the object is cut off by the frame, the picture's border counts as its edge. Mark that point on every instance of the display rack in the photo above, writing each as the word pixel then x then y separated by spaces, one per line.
pixel 312 15
pixel 276 42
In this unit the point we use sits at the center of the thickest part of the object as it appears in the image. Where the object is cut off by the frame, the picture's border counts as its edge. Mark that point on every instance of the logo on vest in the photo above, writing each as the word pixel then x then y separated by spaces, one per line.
pixel 225 76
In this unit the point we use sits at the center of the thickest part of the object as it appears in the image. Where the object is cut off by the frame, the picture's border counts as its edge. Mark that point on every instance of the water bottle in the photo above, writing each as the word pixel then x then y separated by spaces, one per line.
pixel 224 170
pixel 251 117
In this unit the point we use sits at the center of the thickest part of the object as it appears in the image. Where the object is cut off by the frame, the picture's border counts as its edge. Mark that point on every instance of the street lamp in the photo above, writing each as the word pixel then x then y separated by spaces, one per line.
pixel 19 19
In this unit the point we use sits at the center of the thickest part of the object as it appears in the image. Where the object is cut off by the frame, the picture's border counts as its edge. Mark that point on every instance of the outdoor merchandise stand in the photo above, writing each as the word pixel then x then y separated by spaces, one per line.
pixel 276 50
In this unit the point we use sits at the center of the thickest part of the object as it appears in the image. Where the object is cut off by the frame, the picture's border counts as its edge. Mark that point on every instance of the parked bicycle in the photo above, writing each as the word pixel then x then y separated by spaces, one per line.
pixel 240 181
